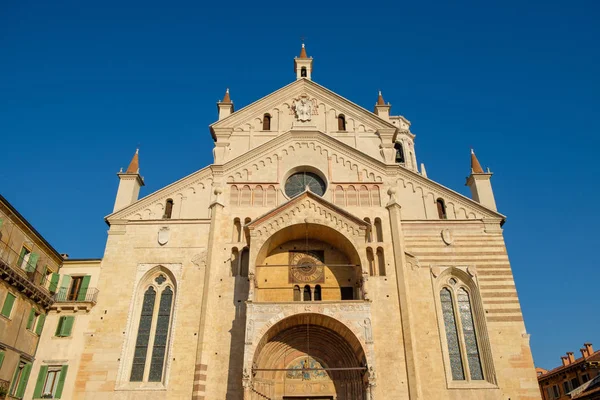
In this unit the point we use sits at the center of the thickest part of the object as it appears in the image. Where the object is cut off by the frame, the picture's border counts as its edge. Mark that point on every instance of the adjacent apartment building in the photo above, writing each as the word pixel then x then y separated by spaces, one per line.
pixel 29 277
pixel 574 379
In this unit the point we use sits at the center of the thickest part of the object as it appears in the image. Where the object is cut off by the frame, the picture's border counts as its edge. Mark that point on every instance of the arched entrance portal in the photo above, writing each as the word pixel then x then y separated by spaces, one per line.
pixel 309 356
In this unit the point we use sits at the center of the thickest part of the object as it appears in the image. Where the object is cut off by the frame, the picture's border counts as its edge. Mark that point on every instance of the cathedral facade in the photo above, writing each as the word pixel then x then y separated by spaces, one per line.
pixel 313 259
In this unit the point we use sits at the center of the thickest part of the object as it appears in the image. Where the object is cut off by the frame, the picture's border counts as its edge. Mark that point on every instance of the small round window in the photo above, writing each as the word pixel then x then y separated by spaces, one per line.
pixel 300 181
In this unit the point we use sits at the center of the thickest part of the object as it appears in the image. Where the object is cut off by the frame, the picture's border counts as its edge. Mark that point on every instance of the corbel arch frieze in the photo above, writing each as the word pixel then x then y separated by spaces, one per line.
pixel 454 206
pixel 344 159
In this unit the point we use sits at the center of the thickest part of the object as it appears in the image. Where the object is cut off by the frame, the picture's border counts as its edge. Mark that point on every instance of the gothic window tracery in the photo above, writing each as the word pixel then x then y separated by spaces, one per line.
pixel 461 331
pixel 153 329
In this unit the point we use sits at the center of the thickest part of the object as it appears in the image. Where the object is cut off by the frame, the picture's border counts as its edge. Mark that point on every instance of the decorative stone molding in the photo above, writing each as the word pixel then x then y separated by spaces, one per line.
pixel 447 236
pixel 355 315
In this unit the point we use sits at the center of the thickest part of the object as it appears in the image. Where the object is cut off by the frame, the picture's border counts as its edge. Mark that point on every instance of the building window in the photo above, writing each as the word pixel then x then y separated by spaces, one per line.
pixel 64 326
pixel 317 296
pixel 574 383
pixel 235 261
pixel 9 301
pixel 441 209
pixel 341 122
pixel 153 332
pixel 461 337
pixel 584 378
pixel 399 153
pixel 237 231
pixel 371 260
pixel 50 382
pixel 244 262
pixel 19 381
pixel 378 230
pixel 306 294
pixel 380 262
pixel 267 122
pixel 303 72
pixel 556 391
pixel 347 293
pixel 73 288
pixel 168 209
pixel 24 258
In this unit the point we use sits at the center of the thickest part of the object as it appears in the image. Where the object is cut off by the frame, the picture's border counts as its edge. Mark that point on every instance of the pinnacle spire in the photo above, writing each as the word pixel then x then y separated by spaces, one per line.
pixel 475 166
pixel 227 99
pixel 380 101
pixel 134 165
pixel 303 52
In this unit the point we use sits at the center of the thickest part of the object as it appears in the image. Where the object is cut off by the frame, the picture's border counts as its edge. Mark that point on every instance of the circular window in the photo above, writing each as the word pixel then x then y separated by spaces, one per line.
pixel 300 181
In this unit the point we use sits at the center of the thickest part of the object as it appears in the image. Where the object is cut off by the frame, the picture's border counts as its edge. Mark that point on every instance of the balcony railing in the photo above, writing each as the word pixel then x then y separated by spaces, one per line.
pixel 22 273
pixel 89 295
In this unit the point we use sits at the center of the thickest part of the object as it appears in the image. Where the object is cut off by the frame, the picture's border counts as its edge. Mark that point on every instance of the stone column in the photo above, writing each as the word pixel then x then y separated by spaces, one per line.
pixel 406 314
pixel 200 371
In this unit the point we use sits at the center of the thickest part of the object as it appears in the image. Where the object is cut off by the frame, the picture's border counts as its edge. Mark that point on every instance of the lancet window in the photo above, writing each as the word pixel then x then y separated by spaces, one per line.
pixel 153 329
pixel 463 331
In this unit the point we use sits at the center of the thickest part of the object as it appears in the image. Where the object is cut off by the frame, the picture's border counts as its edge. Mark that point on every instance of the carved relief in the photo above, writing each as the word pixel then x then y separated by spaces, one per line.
pixel 199 260
pixel 447 237
pixel 163 235
pixel 303 108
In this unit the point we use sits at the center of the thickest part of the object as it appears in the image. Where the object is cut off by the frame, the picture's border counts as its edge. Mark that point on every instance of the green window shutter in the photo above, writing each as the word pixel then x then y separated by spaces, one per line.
pixel 23 381
pixel 8 305
pixel 30 319
pixel 32 262
pixel 59 327
pixel 83 288
pixel 39 384
pixel 22 255
pixel 40 324
pixel 64 284
pixel 1 357
pixel 54 282
pixel 68 326
pixel 13 382
pixel 61 381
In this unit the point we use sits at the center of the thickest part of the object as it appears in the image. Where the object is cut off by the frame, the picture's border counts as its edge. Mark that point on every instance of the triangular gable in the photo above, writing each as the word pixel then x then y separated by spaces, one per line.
pixel 186 183
pixel 310 208
pixel 296 88
pixel 381 170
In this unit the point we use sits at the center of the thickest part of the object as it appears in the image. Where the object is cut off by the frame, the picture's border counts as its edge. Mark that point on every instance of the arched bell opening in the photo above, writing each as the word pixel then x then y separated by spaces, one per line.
pixel 319 260
pixel 310 355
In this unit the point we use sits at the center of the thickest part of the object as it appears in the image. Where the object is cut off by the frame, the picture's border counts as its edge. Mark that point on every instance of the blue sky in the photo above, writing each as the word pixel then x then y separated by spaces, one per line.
pixel 85 83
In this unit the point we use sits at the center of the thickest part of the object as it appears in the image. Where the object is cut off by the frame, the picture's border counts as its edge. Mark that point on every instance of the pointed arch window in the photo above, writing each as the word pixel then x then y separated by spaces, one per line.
pixel 153 331
pixel 267 122
pixel 461 326
pixel 341 122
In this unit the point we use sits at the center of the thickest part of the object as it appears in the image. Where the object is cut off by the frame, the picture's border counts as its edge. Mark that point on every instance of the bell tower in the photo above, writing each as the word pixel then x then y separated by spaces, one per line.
pixel 303 65
pixel 130 183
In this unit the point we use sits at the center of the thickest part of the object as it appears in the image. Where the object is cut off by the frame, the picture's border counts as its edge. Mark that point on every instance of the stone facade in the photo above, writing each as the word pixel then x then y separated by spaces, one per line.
pixel 313 258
